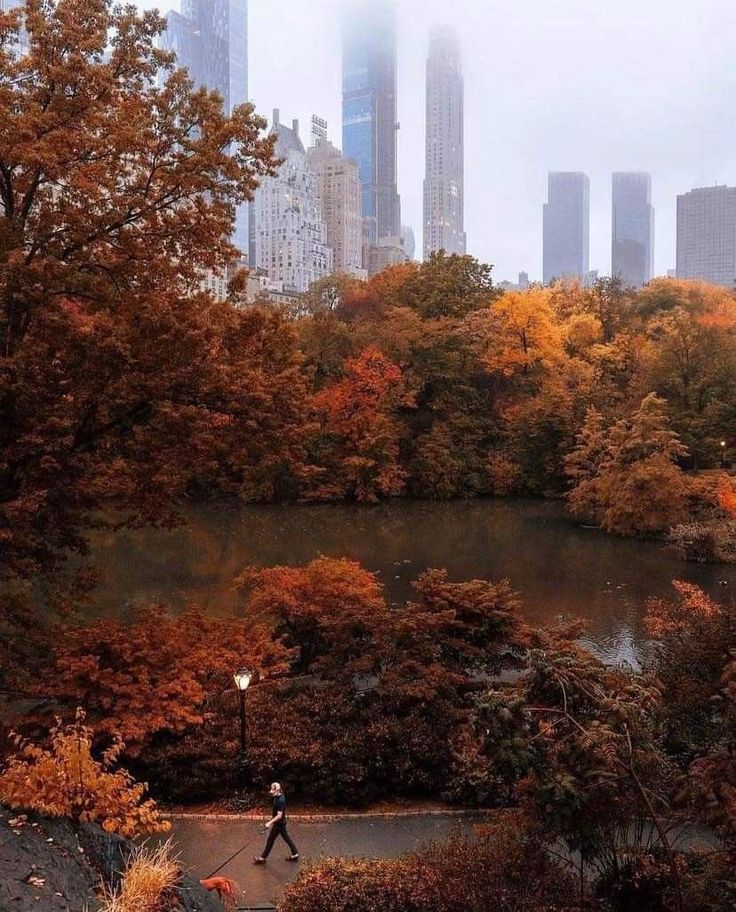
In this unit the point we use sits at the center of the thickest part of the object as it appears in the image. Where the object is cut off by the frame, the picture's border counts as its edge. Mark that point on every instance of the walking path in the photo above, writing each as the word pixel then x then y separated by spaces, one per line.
pixel 206 841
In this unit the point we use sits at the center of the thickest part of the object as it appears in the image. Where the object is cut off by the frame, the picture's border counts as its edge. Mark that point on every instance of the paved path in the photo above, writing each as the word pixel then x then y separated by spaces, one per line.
pixel 205 842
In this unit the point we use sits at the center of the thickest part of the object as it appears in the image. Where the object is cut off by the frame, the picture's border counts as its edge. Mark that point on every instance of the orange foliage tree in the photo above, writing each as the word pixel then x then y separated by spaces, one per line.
pixel 329 611
pixel 116 193
pixel 65 780
pixel 626 477
pixel 358 446
pixel 156 676
pixel 696 640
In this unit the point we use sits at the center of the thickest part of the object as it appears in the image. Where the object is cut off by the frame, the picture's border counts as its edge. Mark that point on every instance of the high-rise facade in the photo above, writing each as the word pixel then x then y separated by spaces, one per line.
pixel 408 241
pixel 444 183
pixel 566 251
pixel 21 46
pixel 338 188
pixel 632 249
pixel 288 236
pixel 369 112
pixel 210 39
pixel 706 235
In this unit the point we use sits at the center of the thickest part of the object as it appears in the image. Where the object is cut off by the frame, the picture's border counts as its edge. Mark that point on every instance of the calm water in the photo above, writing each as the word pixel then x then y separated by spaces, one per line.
pixel 557 566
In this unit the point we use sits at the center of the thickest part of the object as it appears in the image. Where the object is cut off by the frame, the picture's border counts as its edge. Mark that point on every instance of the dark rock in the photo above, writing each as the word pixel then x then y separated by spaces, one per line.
pixel 46 866
pixel 194 898
pixel 42 866
pixel 107 853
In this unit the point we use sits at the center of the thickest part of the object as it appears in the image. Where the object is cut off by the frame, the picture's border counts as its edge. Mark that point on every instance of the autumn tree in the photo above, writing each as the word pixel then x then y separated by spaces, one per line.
pixel 608 300
pixel 695 641
pixel 67 780
pixel 155 677
pixel 116 194
pixel 358 446
pixel 662 295
pixel 578 741
pixel 449 286
pixel 326 294
pixel 694 368
pixel 477 624
pixel 522 335
pixel 329 611
pixel 626 476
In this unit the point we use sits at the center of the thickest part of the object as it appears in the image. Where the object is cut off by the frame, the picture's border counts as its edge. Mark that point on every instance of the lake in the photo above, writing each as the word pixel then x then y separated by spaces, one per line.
pixel 557 566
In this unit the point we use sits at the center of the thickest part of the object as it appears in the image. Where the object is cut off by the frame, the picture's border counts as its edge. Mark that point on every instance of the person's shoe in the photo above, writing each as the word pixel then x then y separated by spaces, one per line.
pixel 293 857
pixel 259 859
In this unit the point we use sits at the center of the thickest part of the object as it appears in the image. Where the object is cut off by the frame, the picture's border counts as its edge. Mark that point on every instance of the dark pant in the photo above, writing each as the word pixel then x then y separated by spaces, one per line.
pixel 279 829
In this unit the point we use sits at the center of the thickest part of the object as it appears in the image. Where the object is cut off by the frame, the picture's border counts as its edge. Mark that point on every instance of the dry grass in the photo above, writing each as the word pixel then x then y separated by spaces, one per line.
pixel 150 875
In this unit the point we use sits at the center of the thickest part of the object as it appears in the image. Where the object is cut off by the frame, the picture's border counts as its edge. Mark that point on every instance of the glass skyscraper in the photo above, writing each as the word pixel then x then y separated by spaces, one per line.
pixel 210 39
pixel 444 180
pixel 567 227
pixel 369 114
pixel 633 228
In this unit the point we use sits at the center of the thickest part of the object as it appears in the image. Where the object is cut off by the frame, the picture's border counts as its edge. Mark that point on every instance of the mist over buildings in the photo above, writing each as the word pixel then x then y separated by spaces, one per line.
pixel 572 85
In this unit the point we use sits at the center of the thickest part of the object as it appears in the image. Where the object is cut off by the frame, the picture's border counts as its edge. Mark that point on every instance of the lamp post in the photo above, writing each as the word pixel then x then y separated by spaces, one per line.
pixel 723 454
pixel 242 680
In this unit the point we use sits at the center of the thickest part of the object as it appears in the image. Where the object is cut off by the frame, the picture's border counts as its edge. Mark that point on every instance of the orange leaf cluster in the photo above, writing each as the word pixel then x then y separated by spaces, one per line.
pixel 66 780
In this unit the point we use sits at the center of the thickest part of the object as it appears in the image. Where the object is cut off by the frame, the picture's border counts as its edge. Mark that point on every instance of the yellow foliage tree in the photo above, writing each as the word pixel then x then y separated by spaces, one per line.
pixel 66 780
pixel 524 335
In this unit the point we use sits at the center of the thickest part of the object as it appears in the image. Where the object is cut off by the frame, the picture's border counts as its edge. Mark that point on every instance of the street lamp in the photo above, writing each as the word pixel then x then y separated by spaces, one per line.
pixel 242 680
pixel 723 454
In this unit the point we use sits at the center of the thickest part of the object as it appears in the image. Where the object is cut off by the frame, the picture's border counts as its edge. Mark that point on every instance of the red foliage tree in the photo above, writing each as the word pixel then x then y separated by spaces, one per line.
pixel 330 611
pixel 155 676
pixel 359 441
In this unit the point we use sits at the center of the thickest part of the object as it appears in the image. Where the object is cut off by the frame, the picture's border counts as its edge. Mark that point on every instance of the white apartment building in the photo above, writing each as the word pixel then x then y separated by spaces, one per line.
pixel 288 235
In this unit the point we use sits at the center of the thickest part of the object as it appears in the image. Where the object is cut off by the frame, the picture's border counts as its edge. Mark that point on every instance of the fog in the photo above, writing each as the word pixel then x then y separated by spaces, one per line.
pixel 585 85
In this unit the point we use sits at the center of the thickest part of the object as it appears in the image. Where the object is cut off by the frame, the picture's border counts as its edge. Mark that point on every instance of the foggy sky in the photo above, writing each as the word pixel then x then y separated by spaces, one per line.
pixel 583 85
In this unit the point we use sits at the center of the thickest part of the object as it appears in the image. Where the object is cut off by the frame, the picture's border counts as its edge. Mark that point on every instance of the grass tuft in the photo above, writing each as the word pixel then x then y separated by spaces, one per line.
pixel 151 874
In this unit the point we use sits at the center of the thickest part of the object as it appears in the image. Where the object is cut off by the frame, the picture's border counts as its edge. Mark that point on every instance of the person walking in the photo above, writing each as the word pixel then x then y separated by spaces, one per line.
pixel 276 826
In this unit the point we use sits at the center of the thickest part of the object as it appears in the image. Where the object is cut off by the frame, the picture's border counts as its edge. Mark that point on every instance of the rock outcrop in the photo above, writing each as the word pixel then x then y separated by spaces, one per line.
pixel 47 866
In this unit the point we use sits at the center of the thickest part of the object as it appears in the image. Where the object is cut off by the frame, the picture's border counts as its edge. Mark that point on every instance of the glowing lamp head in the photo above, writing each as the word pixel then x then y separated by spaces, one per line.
pixel 243 678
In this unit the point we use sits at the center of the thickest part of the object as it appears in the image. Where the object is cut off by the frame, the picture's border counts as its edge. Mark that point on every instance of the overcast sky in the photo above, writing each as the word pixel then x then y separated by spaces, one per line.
pixel 580 85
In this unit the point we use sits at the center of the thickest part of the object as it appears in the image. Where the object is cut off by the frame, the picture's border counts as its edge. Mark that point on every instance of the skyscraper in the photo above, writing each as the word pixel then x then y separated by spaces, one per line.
pixel 210 39
pixel 632 249
pixel 706 235
pixel 288 236
pixel 443 183
pixel 338 188
pixel 408 241
pixel 21 46
pixel 369 114
pixel 567 226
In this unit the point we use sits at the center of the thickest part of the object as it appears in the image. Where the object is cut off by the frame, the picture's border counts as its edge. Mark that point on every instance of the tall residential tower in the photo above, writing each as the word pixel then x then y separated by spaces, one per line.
pixel 632 250
pixel 338 188
pixel 706 235
pixel 288 235
pixel 210 39
pixel 443 183
pixel 369 113
pixel 567 227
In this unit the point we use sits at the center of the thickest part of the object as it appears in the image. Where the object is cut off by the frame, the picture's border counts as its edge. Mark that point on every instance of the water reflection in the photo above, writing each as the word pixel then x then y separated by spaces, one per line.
pixel 558 567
